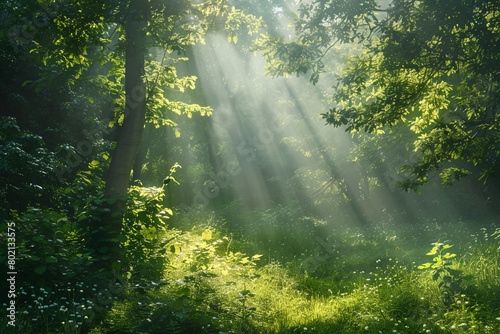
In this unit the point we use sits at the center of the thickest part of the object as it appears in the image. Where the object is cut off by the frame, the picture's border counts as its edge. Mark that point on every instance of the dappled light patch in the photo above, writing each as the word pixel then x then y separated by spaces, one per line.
pixel 209 287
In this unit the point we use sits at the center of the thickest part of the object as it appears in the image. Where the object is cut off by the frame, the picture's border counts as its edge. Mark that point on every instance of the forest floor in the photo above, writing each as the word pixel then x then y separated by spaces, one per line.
pixel 299 276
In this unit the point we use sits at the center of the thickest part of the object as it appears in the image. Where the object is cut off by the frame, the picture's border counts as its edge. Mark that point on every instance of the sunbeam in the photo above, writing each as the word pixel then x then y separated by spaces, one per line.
pixel 250 166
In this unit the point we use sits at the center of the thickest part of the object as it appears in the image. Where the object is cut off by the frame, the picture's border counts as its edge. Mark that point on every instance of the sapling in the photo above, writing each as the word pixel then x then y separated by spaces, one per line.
pixel 449 279
pixel 245 311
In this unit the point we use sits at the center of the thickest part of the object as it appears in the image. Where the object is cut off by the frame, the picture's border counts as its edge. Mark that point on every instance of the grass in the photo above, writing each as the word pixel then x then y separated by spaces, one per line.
pixel 353 282
pixel 341 281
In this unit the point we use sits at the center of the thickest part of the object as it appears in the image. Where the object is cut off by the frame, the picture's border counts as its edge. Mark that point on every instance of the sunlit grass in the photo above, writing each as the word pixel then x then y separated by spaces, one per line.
pixel 308 276
pixel 369 284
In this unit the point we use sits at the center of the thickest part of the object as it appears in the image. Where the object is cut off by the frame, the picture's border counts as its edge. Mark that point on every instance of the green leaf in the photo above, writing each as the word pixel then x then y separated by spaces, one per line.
pixel 449 256
pixel 176 249
pixel 51 259
pixel 433 251
pixel 256 257
pixel 167 211
pixel 437 264
pixel 245 292
pixel 206 235
pixel 425 265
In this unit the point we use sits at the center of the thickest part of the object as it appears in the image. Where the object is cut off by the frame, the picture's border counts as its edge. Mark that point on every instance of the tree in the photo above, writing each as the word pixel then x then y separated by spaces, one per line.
pixel 128 142
pixel 430 68
pixel 113 46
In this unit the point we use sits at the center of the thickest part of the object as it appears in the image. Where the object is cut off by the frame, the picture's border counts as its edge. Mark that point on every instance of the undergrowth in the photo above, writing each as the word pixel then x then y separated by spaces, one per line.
pixel 207 276
pixel 352 283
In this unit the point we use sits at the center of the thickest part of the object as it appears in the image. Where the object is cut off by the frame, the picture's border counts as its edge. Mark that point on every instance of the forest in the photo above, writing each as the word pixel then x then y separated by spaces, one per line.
pixel 250 166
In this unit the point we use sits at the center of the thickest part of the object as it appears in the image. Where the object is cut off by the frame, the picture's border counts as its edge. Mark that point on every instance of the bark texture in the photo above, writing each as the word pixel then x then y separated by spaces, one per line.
pixel 122 160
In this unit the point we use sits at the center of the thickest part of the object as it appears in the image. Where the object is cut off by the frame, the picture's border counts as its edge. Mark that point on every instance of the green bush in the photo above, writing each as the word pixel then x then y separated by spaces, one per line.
pixel 27 170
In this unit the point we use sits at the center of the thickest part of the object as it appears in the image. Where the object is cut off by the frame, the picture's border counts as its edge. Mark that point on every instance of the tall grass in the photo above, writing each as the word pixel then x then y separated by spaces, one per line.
pixel 277 272
pixel 353 282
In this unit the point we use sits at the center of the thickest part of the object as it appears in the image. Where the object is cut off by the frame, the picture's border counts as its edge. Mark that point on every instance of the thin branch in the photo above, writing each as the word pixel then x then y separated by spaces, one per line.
pixel 327 49
pixel 153 86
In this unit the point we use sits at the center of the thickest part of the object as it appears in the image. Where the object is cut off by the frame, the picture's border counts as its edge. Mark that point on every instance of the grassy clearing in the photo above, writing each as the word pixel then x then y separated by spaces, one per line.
pixel 351 282
pixel 275 273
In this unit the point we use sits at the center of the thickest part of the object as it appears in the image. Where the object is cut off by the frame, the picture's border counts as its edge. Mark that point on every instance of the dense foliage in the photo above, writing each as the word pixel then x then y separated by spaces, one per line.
pixel 429 67
pixel 154 180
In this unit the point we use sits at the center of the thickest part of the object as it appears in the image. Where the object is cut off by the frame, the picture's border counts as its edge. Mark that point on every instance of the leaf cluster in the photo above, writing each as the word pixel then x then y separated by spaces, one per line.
pixel 28 170
pixel 145 222
pixel 430 67
pixel 448 278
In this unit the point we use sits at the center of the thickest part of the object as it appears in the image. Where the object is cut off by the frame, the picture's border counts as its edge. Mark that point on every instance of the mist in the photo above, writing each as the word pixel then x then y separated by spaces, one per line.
pixel 250 166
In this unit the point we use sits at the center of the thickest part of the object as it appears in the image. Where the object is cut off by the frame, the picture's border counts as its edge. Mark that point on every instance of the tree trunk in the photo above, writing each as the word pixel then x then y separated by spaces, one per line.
pixel 143 152
pixel 128 141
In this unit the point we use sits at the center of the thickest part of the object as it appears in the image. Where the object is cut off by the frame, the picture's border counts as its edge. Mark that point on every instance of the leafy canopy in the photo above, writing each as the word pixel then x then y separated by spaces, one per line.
pixel 83 42
pixel 431 67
